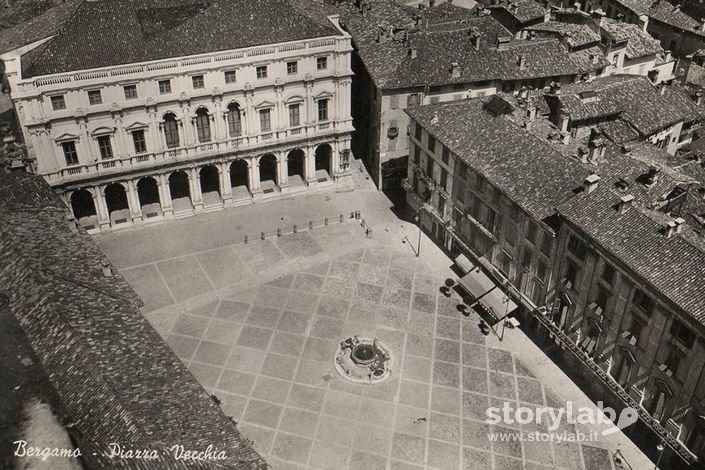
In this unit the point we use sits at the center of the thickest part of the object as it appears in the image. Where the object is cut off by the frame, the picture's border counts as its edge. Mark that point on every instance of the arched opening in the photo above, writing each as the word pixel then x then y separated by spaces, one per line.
pixel 324 157
pixel 84 209
pixel 234 122
pixel 210 185
pixel 148 195
pixel 296 167
pixel 203 125
pixel 239 178
pixel 116 201
pixel 268 173
pixel 180 191
pixel 171 130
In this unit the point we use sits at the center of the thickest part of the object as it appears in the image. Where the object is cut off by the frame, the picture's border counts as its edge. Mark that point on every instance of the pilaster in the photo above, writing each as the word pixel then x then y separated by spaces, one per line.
pixel 195 183
pixel 226 190
pixel 98 194
pixel 134 201
pixel 165 195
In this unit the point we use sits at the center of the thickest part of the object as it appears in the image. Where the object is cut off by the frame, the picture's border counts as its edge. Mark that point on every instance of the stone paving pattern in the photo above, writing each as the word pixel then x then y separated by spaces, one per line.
pixel 265 348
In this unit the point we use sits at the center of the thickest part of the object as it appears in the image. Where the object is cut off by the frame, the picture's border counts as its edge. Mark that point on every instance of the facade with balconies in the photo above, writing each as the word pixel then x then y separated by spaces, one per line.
pixel 170 136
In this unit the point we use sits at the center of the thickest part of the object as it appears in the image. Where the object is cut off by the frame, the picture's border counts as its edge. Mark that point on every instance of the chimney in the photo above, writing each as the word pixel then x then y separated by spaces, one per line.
pixel 577 6
pixel 670 229
pixel 668 57
pixel 625 202
pixel 532 35
pixel 431 3
pixel 502 41
pixel 554 88
pixel 643 22
pixel 455 70
pixel 594 58
pixel 474 34
pixel 662 90
pixel 522 62
pixel 679 224
pixel 590 183
pixel 413 52
pixel 699 97
pixel 652 175
pixel 701 26
pixel 107 269
pixel 596 147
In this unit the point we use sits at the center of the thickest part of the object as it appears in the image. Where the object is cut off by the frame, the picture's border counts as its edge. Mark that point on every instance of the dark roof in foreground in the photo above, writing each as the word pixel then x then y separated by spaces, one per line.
pixel 116 32
pixel 674 266
pixel 38 28
pixel 116 378
pixel 528 170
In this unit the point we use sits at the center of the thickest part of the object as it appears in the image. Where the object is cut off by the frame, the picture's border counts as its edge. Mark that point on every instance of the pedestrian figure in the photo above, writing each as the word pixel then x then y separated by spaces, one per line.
pixel 368 232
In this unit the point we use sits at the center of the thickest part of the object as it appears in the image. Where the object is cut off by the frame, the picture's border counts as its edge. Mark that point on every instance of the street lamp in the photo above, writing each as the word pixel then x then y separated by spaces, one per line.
pixel 659 448
pixel 417 219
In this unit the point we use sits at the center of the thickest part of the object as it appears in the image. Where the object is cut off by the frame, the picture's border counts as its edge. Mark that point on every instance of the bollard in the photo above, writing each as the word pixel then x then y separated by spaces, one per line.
pixel 357 215
pixel 245 239
pixel 262 235
pixel 325 221
pixel 279 232
pixel 341 218
pixel 352 215
pixel 295 230
pixel 310 224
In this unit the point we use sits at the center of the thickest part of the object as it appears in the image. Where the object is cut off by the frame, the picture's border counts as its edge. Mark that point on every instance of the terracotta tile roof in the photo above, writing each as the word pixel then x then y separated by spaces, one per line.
pixel 128 31
pixel 42 26
pixel 116 378
pixel 639 44
pixel 440 36
pixel 673 15
pixel 632 97
pixel 619 131
pixel 575 35
pixel 522 10
pixel 589 59
pixel 674 266
pixel 525 168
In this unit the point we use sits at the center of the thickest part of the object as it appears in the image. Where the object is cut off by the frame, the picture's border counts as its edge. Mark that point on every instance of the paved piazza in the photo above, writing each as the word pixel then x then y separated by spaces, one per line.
pixel 258 325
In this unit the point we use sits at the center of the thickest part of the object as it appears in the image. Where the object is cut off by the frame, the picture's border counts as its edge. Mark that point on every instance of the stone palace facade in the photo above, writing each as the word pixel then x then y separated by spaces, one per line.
pixel 133 142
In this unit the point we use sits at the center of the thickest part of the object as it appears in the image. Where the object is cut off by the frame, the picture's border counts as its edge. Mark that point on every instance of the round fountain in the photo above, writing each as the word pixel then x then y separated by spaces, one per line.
pixel 363 360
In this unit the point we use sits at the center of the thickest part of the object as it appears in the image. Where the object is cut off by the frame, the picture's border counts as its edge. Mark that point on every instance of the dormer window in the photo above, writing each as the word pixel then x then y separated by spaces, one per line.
pixel 58 102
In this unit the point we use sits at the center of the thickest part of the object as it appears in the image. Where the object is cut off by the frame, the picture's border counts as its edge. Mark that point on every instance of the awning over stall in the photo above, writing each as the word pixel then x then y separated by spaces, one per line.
pixel 493 301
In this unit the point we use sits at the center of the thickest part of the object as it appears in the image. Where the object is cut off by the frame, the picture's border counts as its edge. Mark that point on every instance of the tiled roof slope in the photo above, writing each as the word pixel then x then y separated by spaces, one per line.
pixel 522 10
pixel 39 27
pixel 631 97
pixel 576 35
pixel 526 169
pixel 674 266
pixel 116 378
pixel 118 32
pixel 639 44
pixel 440 37
pixel 673 15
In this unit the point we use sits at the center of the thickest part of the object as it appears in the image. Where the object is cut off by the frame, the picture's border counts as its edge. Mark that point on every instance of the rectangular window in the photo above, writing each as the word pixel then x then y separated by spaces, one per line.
pixel 608 273
pixel 94 97
pixel 643 301
pixel 505 263
pixel 394 102
pixel 444 179
pixel 429 167
pixel 230 76
pixel 321 63
pixel 445 155
pixel 542 271
pixel 571 273
pixel 682 333
pixel 292 68
pixel 164 87
pixel 294 115
pixel 431 144
pixel 261 71
pixel 171 133
pixel 198 82
pixel 58 102
pixel 603 297
pixel 532 231
pixel 70 154
pixel 265 120
pixel 418 131
pixel 526 257
pixel 577 247
pixel 441 204
pixel 130 91
pixel 139 141
pixel 480 183
pixel 323 110
pixel 106 150
pixel 417 155
pixel 463 171
pixel 546 244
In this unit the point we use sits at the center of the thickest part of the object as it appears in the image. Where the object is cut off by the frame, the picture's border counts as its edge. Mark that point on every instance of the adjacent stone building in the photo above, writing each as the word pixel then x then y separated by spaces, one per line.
pixel 207 112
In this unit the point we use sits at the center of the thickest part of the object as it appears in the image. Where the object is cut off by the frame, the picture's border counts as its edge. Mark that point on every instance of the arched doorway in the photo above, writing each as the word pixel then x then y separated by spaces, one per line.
pixel 324 157
pixel 84 209
pixel 239 178
pixel 210 185
pixel 268 173
pixel 180 191
pixel 296 167
pixel 148 195
pixel 116 201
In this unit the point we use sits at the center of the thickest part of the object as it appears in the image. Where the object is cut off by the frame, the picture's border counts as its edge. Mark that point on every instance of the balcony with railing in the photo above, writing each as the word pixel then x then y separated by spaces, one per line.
pixel 194 151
